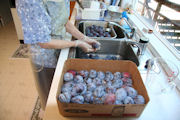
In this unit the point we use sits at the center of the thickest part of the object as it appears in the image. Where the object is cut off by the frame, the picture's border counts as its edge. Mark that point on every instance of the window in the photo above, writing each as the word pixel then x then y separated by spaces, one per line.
pixel 165 20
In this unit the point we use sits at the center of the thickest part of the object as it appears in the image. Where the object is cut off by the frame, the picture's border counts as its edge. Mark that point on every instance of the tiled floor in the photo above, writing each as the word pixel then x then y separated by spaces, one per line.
pixel 17 90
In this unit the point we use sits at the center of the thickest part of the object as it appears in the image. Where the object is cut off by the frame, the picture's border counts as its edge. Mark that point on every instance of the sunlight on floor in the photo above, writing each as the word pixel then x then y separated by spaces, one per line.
pixel 18 93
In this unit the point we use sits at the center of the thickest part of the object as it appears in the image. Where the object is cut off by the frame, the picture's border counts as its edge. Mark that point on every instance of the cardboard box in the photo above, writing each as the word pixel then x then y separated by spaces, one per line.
pixel 88 110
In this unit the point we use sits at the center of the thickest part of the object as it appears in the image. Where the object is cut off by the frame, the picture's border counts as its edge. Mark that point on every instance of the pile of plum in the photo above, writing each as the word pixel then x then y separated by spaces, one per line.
pixel 96 31
pixel 106 57
pixel 92 87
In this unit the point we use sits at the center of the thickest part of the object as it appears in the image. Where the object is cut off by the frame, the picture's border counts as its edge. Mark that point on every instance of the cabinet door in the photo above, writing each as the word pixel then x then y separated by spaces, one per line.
pixel 17 23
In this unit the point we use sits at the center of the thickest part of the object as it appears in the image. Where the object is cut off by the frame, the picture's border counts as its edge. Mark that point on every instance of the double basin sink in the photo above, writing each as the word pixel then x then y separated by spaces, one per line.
pixel 117 48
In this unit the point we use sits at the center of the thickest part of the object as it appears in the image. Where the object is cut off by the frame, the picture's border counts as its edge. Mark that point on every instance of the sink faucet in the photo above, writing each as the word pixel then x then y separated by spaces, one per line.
pixel 132 29
pixel 126 31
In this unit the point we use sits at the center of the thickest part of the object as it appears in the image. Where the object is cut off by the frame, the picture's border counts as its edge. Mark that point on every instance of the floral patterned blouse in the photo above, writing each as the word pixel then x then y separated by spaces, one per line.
pixel 42 20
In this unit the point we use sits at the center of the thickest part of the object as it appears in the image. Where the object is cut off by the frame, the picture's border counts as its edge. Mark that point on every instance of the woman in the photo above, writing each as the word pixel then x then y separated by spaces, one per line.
pixel 45 23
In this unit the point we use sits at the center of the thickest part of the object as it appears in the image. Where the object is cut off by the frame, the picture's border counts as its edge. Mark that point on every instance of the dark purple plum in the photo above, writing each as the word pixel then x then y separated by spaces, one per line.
pixel 93 26
pixel 91 86
pixel 94 57
pixel 97 100
pixel 66 88
pixel 108 35
pixel 68 76
pixel 100 28
pixel 88 80
pixel 117 75
pixel 88 34
pixel 95 46
pixel 84 73
pixel 85 56
pixel 69 84
pixel 101 32
pixel 90 56
pixel 98 81
pixel 104 83
pixel 128 100
pixel 64 97
pixel 93 32
pixel 108 57
pixel 109 76
pixel 131 92
pixel 97 28
pixel 118 102
pixel 101 75
pixel 97 35
pixel 121 94
pixel 127 81
pixel 79 89
pixel 92 74
pixel 117 83
pixel 77 99
pixel 108 83
pixel 113 58
pixel 94 35
pixel 88 31
pixel 99 91
pixel 88 97
pixel 78 79
pixel 139 99
pixel 110 89
pixel 91 35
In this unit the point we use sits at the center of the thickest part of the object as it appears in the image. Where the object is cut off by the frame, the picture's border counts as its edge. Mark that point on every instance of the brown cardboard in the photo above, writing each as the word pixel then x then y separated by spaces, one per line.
pixel 87 110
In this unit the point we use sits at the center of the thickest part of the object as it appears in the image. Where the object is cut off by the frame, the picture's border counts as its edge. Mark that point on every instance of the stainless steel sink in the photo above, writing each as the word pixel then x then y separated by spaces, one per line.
pixel 122 49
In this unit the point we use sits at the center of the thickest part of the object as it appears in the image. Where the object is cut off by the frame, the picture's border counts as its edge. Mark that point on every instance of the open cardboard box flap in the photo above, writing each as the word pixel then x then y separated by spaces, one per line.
pixel 87 110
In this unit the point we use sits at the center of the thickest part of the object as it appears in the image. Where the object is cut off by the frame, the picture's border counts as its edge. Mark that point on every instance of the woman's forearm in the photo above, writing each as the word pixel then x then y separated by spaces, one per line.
pixel 60 44
pixel 57 44
pixel 74 31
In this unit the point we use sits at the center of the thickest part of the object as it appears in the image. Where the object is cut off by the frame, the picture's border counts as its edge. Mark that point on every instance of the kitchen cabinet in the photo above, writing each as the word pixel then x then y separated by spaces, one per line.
pixel 17 21
pixel 18 25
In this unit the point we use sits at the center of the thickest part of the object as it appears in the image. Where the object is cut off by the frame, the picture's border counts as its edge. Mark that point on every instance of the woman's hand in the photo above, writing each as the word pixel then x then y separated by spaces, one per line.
pixel 84 46
pixel 91 42
pixel 80 36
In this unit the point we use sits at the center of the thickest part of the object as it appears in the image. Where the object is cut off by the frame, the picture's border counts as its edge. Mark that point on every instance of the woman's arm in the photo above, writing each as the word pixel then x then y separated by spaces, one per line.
pixel 57 44
pixel 60 44
pixel 74 31
pixel 78 35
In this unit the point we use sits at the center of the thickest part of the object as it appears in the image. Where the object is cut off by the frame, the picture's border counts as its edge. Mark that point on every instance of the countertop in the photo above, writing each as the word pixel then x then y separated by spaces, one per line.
pixel 160 107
